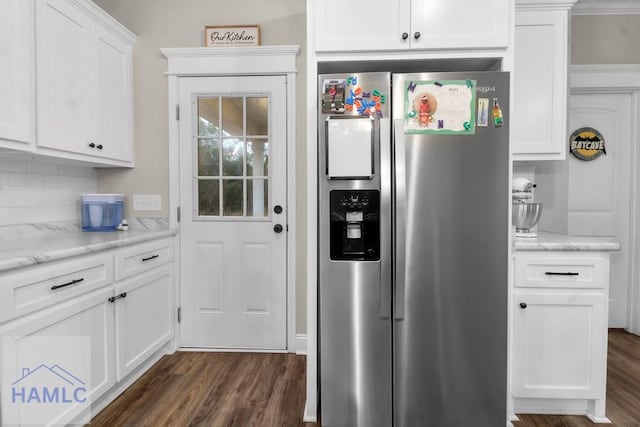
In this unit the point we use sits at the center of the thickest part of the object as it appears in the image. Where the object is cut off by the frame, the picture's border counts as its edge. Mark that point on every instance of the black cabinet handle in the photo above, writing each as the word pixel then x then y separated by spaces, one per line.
pixel 150 258
pixel 416 35
pixel 523 305
pixel 92 145
pixel 122 295
pixel 99 146
pixel 405 36
pixel 277 228
pixel 73 282
pixel 554 273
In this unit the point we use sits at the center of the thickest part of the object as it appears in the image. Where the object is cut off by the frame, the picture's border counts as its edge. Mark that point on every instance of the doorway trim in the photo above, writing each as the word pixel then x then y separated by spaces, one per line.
pixel 243 61
pixel 621 79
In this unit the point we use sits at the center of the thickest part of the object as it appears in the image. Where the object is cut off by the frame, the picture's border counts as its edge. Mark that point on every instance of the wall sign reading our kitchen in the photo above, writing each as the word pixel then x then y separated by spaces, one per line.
pixel 232 35
pixel 587 144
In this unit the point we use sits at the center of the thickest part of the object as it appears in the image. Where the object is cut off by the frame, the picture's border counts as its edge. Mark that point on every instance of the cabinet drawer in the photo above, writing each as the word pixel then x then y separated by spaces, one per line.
pixel 44 285
pixel 561 271
pixel 139 258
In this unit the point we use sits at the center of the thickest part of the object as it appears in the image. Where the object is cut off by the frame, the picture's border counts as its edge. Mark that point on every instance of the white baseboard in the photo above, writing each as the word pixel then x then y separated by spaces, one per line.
pixel 309 418
pixel 301 344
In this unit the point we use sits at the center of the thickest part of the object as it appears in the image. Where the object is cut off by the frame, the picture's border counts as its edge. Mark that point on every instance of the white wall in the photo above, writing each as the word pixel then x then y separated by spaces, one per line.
pixel 33 191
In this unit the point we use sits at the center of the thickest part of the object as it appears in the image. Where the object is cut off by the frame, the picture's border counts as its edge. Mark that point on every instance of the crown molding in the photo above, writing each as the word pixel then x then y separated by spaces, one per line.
pixel 544 4
pixel 246 60
pixel 606 7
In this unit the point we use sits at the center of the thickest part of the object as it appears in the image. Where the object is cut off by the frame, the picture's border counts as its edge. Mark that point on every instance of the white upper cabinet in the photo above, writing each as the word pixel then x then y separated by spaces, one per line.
pixel 114 100
pixel 84 83
pixel 454 24
pixel 17 120
pixel 64 76
pixel 410 24
pixel 541 46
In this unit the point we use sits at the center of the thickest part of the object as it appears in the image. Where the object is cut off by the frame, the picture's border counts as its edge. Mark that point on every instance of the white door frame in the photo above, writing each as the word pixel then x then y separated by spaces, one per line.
pixel 621 79
pixel 243 61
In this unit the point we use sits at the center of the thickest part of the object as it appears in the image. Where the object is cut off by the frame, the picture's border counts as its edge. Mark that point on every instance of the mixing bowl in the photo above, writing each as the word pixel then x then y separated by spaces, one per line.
pixel 525 215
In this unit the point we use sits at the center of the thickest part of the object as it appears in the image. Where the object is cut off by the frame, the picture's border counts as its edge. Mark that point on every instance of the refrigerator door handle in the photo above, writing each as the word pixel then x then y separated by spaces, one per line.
pixel 385 217
pixel 400 223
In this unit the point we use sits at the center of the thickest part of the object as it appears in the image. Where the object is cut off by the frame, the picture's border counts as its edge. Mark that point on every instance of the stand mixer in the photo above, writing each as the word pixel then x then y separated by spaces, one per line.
pixel 524 214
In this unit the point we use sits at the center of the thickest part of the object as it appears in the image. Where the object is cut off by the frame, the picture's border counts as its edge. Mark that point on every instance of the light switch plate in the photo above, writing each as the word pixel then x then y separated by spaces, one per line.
pixel 147 202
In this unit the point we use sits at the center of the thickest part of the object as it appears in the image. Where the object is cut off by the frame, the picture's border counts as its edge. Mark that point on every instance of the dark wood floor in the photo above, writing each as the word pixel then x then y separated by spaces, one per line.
pixel 253 389
pixel 213 389
pixel 623 388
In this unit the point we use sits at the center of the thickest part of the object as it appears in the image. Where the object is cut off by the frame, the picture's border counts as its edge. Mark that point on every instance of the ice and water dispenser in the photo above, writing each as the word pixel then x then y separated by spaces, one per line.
pixel 355 225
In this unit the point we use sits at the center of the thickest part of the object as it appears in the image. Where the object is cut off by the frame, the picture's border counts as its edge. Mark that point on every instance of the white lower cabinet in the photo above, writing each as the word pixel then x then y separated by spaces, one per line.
pixel 143 318
pixel 89 316
pixel 559 334
pixel 124 324
pixel 557 345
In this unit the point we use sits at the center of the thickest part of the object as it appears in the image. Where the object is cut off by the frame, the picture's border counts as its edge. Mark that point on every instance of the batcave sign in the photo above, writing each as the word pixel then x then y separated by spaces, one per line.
pixel 587 144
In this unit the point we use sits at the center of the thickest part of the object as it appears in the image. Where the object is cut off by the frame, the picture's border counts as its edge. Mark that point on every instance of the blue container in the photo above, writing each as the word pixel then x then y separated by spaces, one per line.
pixel 102 212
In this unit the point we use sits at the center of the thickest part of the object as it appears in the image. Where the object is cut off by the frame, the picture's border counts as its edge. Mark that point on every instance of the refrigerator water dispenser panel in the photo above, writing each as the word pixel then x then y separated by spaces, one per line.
pixel 355 225
pixel 350 147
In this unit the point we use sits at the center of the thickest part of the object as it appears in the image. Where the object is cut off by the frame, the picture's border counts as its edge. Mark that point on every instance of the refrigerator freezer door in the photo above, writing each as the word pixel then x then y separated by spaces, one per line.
pixel 450 325
pixel 354 296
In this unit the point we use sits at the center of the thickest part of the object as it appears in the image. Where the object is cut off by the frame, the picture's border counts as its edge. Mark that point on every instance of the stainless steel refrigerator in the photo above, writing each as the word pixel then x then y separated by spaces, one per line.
pixel 413 202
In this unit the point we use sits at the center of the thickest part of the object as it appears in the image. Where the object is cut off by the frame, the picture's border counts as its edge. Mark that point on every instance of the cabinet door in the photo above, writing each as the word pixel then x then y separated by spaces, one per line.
pixel 17 108
pixel 362 25
pixel 559 345
pixel 540 85
pixel 113 101
pixel 143 317
pixel 456 24
pixel 64 76
pixel 39 350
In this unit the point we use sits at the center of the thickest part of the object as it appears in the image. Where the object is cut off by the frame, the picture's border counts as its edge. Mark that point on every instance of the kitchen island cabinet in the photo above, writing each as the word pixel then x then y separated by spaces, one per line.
pixel 411 24
pixel 559 325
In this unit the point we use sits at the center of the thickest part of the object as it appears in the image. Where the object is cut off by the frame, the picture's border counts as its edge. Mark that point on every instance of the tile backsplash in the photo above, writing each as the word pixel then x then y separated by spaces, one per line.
pixel 33 191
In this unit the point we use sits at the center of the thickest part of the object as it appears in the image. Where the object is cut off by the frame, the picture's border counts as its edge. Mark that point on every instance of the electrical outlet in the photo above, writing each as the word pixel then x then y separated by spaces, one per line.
pixel 146 202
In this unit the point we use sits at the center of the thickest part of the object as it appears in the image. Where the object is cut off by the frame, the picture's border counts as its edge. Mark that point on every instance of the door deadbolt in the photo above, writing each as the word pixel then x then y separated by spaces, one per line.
pixel 277 209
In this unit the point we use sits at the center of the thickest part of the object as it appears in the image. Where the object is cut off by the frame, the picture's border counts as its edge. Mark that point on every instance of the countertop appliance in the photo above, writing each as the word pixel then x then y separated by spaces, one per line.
pixel 102 212
pixel 524 214
pixel 412 264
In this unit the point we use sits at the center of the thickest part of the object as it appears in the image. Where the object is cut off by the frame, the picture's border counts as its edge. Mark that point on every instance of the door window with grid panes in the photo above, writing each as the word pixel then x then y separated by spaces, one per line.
pixel 232 161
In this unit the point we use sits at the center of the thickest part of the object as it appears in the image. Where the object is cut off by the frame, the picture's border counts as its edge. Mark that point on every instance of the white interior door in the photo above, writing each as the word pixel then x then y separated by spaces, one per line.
pixel 599 191
pixel 233 202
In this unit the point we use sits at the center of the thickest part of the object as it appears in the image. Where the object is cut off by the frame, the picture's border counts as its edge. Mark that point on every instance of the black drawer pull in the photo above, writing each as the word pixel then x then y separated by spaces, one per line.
pixel 553 273
pixel 150 258
pixel 523 305
pixel 122 295
pixel 73 282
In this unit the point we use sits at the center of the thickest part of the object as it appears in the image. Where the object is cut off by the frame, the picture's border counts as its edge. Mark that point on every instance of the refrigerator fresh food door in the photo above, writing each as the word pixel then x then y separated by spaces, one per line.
pixel 451 246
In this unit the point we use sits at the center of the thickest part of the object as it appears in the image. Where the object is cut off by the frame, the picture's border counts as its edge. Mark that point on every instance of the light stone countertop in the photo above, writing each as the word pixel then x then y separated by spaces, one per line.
pixel 564 243
pixel 56 246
